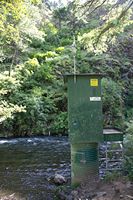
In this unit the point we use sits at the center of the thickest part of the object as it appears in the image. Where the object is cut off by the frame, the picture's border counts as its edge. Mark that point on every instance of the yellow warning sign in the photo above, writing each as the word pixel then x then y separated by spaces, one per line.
pixel 94 82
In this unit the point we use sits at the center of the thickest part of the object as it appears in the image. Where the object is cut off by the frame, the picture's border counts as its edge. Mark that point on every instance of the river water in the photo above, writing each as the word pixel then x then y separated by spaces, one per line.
pixel 26 164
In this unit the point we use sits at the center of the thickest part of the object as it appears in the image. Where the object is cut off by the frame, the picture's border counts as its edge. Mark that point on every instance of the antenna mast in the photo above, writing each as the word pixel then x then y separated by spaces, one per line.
pixel 74 50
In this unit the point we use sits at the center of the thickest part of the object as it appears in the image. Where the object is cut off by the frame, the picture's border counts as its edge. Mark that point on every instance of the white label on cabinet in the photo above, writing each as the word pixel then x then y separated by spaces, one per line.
pixel 95 98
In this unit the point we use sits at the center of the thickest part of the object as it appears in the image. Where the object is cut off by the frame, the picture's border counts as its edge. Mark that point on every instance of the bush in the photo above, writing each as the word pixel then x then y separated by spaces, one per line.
pixel 128 147
pixel 35 120
pixel 60 124
pixel 32 92
pixel 112 103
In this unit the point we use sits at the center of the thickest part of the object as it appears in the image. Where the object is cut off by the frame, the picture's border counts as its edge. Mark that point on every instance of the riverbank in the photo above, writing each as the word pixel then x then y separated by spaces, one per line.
pixel 120 189
pixel 13 196
pixel 115 190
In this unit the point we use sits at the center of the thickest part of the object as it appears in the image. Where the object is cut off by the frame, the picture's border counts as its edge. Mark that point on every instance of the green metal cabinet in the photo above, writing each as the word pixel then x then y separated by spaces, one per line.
pixel 85 108
pixel 84 163
pixel 86 126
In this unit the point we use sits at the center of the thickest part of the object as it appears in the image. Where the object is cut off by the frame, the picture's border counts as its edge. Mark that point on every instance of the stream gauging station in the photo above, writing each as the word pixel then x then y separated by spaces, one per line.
pixel 85 123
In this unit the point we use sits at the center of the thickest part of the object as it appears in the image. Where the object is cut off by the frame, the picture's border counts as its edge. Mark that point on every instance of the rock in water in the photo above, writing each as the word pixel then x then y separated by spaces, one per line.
pixel 59 179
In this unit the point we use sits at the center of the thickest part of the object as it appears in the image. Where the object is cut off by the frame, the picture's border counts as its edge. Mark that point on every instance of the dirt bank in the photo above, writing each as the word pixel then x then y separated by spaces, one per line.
pixel 100 190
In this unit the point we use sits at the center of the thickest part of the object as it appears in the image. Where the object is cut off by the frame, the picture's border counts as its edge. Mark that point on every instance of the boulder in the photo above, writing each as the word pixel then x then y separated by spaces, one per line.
pixel 59 179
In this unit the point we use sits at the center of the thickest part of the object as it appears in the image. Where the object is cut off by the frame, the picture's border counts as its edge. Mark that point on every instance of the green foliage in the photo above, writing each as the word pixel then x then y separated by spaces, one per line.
pixel 112 176
pixel 32 64
pixel 130 127
pixel 128 144
pixel 34 121
pixel 98 39
pixel 60 14
pixel 7 86
pixel 33 92
pixel 36 2
pixel 112 103
pixel 129 98
pixel 59 49
pixel 36 50
pixel 60 123
pixel 19 24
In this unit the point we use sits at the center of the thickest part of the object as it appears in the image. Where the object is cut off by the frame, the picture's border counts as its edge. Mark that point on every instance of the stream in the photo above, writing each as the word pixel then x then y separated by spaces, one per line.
pixel 26 164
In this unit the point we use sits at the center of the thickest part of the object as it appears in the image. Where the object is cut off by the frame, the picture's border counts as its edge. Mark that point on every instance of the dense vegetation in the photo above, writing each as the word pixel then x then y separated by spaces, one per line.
pixel 36 50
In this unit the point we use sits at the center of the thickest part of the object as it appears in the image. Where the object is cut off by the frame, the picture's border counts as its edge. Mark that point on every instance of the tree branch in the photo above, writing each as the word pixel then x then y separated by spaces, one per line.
pixel 111 24
pixel 92 2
